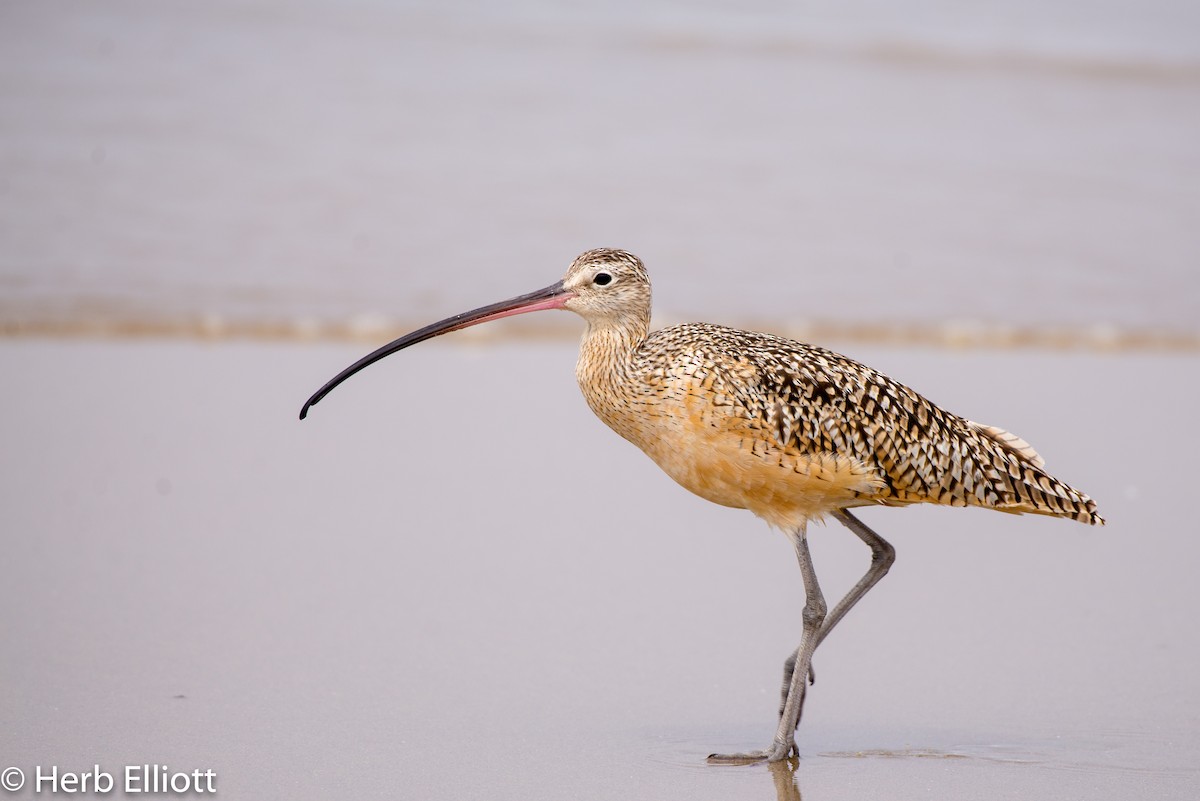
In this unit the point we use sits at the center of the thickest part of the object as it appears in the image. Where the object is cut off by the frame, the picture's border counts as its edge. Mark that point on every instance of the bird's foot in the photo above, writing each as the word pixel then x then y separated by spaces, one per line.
pixel 776 753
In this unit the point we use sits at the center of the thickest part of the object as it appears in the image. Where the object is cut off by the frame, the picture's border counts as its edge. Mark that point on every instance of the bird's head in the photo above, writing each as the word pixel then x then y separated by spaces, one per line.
pixel 609 287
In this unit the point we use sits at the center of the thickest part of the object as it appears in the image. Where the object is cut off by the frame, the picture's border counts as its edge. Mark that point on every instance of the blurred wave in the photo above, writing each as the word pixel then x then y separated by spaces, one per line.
pixel 1003 174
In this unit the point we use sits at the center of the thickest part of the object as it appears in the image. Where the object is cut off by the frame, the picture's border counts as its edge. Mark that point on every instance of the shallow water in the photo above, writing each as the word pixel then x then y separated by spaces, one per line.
pixel 451 581
pixel 315 165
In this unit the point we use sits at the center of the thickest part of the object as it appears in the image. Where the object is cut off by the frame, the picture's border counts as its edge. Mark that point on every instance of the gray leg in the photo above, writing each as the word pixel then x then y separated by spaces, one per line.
pixel 789 667
pixel 882 557
pixel 813 617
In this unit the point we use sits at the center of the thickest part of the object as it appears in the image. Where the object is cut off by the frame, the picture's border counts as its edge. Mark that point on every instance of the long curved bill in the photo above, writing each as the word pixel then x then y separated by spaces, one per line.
pixel 552 297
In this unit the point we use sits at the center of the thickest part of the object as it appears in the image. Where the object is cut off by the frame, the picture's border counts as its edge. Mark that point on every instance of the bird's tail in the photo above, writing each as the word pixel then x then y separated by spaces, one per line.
pixel 1019 483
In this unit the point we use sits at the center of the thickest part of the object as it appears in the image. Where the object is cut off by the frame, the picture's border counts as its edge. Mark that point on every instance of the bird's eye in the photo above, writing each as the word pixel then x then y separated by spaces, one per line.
pixel 602 279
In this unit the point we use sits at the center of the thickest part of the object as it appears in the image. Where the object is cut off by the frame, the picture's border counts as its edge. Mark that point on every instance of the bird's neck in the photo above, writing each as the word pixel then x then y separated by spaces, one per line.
pixel 609 374
pixel 608 359
pixel 610 345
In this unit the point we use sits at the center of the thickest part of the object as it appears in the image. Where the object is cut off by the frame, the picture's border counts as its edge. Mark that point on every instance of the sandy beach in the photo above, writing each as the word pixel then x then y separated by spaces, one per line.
pixel 451 581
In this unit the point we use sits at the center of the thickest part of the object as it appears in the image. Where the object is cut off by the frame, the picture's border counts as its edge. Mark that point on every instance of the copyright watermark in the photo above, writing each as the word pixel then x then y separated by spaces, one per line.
pixel 12 779
pixel 130 780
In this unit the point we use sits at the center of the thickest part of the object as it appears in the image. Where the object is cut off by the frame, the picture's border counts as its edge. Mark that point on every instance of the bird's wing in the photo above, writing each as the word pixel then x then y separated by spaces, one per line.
pixel 819 402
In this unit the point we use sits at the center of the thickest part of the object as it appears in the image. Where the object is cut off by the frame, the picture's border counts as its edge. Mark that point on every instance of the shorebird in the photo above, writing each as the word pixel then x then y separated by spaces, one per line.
pixel 789 431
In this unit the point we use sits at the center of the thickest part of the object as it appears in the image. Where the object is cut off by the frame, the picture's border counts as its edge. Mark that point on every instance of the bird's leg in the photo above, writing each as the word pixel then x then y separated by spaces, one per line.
pixel 814 616
pixel 814 622
pixel 882 557
pixel 789 667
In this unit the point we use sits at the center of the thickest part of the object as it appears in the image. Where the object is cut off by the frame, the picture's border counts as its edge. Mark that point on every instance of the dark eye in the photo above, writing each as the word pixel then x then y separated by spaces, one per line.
pixel 602 279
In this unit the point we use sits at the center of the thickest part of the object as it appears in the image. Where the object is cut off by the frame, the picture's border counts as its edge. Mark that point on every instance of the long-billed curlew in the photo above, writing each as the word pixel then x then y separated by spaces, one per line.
pixel 789 431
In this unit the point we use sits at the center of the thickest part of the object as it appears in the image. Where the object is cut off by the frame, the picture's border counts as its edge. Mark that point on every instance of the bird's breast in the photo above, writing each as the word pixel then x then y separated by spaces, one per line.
pixel 692 425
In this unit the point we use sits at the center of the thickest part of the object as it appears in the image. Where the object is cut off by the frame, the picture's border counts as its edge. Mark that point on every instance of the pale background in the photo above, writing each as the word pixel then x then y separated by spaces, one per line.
pixel 452 581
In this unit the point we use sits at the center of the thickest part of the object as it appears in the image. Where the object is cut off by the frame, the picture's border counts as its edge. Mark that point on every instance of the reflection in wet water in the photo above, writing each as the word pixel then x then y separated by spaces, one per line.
pixel 1092 756
pixel 785 775
pixel 787 787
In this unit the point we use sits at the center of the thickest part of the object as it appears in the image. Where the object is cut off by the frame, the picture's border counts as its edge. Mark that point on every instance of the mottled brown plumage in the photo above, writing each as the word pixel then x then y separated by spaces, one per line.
pixel 791 432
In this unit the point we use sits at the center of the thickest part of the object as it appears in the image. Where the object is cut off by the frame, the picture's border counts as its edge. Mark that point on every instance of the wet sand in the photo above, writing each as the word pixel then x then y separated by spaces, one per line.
pixel 453 582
